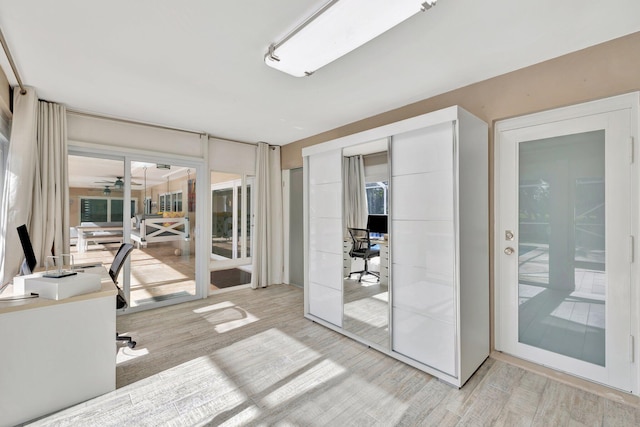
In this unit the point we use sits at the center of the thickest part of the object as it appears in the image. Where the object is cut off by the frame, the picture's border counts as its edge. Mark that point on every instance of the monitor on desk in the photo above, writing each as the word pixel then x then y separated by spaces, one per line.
pixel 29 263
pixel 378 224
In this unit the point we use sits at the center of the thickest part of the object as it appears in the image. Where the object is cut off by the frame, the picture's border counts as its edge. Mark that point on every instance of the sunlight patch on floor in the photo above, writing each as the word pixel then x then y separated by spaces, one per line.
pixel 219 306
pixel 234 324
pixel 383 296
pixel 244 417
pixel 125 354
pixel 365 403
pixel 303 383
pixel 367 310
pixel 263 360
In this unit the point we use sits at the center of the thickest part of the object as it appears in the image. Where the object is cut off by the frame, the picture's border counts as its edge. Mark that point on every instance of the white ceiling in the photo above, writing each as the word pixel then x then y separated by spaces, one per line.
pixel 198 64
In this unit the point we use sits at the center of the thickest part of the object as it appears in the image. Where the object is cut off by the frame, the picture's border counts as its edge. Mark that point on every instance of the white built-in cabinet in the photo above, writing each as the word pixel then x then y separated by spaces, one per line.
pixel 438 268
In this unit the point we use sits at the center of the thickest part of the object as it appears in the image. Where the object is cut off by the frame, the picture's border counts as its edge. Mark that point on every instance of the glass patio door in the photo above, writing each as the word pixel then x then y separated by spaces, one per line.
pixel 163 264
pixel 231 222
pixel 564 242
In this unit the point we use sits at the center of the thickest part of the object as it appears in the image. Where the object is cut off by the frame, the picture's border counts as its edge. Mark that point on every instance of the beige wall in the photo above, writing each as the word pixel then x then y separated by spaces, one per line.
pixel 608 69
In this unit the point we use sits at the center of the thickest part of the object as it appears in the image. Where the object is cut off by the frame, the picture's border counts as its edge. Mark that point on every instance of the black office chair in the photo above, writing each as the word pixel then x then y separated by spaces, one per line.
pixel 114 271
pixel 362 248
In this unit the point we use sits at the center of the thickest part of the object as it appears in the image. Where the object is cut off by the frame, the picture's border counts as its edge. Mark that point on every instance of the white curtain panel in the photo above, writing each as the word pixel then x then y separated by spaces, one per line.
pixel 354 192
pixel 50 219
pixel 19 181
pixel 268 238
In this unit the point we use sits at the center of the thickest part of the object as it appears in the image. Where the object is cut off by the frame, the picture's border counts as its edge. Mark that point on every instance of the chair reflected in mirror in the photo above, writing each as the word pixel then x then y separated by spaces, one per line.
pixel 362 248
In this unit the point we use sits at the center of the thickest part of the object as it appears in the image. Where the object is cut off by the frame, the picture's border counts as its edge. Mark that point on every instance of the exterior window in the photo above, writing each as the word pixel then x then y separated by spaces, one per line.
pixel 162 203
pixel 102 209
pixel 116 210
pixel 378 197
pixel 147 206
pixel 176 199
pixel 94 210
pixel 170 202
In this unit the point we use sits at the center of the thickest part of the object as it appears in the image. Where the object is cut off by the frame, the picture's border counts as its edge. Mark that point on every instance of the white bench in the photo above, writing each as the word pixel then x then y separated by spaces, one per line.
pixel 98 234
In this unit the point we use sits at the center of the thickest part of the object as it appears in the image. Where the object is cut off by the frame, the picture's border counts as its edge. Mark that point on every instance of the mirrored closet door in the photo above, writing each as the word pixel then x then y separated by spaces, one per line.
pixel 365 178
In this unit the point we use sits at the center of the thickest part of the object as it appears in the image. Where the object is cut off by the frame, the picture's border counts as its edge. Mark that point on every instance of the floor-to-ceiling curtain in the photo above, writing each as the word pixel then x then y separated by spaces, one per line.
pixel 20 175
pixel 354 193
pixel 50 218
pixel 268 241
pixel 36 189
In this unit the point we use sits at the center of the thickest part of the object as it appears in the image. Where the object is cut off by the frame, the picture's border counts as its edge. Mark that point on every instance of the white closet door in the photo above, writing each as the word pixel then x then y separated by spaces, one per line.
pixel 423 246
pixel 325 236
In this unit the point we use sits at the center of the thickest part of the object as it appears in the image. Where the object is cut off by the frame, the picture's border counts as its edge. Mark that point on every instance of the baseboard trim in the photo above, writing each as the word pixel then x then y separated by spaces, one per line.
pixel 598 389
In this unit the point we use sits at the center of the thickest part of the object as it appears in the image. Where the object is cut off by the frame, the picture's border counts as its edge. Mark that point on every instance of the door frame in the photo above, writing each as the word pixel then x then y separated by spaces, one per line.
pixel 630 102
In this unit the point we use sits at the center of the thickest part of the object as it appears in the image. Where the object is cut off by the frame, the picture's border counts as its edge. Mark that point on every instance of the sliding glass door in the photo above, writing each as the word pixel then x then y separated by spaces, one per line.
pixel 231 221
pixel 96 207
pixel 163 265
pixel 148 203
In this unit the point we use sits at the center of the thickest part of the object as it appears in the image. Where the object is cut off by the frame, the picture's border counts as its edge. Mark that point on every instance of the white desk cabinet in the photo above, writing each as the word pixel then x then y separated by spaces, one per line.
pixel 55 354
pixel 438 266
pixel 384 263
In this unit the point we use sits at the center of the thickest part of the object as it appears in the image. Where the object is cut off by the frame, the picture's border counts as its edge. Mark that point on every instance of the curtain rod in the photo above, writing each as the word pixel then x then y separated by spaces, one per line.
pixel 133 122
pixel 255 144
pixel 11 63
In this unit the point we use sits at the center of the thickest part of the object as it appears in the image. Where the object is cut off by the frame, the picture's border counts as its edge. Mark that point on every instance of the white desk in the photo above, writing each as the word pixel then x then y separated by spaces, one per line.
pixel 55 354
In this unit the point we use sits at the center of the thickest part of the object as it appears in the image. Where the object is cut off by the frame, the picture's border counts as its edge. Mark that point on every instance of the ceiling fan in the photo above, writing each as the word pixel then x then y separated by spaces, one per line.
pixel 106 190
pixel 117 184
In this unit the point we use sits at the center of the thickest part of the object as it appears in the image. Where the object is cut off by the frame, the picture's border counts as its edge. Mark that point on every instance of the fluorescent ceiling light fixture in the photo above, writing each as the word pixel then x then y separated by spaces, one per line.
pixel 336 29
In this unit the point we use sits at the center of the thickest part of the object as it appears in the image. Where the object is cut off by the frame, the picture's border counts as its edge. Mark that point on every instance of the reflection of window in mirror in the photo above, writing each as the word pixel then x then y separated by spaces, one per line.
pixel 377 197
pixel 376 176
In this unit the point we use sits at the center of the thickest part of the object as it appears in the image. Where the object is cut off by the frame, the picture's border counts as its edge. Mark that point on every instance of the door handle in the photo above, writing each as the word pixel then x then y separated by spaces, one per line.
pixel 509 250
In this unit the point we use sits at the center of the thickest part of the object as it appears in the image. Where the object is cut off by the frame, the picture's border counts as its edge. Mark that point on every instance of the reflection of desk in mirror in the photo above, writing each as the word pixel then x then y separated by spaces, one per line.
pixel 55 353
pixel 366 303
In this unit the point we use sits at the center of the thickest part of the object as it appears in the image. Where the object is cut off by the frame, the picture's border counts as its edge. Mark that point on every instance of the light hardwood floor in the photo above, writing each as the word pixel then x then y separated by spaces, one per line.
pixel 248 357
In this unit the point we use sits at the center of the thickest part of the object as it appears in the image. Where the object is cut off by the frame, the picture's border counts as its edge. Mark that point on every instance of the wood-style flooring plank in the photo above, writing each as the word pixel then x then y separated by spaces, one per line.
pixel 249 357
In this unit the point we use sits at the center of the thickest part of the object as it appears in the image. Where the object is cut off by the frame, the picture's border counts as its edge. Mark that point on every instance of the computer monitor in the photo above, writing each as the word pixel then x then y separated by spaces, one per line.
pixel 378 224
pixel 29 263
